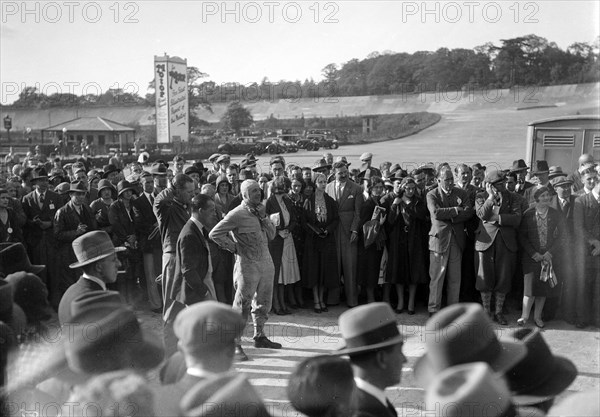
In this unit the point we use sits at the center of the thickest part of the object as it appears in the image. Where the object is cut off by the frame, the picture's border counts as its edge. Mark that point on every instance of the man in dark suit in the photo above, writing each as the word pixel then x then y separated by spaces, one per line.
pixel 97 257
pixel 499 213
pixel 450 208
pixel 207 335
pixel 171 208
pixel 374 345
pixel 39 207
pixel 148 238
pixel 541 171
pixel 71 221
pixel 587 225
pixel 519 168
pixel 349 197
pixel 192 282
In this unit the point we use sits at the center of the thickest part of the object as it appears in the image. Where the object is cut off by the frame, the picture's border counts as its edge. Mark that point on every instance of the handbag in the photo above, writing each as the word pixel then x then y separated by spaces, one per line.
pixel 547 275
pixel 370 231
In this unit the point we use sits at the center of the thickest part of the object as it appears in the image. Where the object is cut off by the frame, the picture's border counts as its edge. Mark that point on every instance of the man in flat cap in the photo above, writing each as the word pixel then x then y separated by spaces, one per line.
pixel 366 169
pixel 575 176
pixel 500 214
pixel 254 270
pixel 207 334
pixel 374 345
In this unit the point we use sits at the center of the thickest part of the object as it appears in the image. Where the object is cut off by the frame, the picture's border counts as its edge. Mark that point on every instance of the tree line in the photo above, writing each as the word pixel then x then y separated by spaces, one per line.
pixel 526 60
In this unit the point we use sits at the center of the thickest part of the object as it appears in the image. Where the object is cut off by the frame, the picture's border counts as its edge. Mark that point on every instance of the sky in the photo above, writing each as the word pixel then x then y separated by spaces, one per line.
pixel 88 47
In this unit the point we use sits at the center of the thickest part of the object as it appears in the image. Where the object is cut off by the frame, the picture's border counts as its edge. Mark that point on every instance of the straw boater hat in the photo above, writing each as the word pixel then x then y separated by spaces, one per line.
pixel 92 247
pixel 463 333
pixel 367 328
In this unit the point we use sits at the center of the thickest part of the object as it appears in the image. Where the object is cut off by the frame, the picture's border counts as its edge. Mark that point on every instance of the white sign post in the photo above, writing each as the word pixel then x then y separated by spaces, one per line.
pixel 172 117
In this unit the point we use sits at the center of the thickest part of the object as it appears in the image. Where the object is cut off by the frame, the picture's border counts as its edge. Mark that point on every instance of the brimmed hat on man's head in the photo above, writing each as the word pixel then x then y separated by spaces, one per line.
pixel 342 159
pixel 39 173
pixel 158 169
pixel 14 258
pixel 192 170
pixel 320 165
pixel 367 328
pixel 519 165
pixel 223 158
pixel 494 176
pixel 588 166
pixel 31 294
pixel 92 247
pixel 226 394
pixel 540 375
pixel 125 185
pixel 560 182
pixel 471 389
pixel 540 167
pixel 556 171
pixel 367 156
pixel 205 324
pixel 108 169
pixel 463 333
pixel 62 188
pixel 78 187
pixel 214 157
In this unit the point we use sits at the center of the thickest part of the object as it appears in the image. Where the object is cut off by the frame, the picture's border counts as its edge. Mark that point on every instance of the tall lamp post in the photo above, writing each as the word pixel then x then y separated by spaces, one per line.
pixel 65 143
pixel 8 126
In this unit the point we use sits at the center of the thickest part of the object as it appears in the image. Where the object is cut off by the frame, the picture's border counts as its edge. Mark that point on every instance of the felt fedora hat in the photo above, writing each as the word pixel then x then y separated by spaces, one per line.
pixel 108 169
pixel 519 165
pixel 463 333
pixel 227 394
pixel 93 246
pixel 158 168
pixel 494 176
pixel 540 375
pixel 540 167
pixel 342 159
pixel 119 342
pixel 39 173
pixel 63 188
pixel 78 187
pixel 368 327
pixel 320 165
pixel 14 258
pixel 556 171
pixel 472 389
pixel 31 294
pixel 125 185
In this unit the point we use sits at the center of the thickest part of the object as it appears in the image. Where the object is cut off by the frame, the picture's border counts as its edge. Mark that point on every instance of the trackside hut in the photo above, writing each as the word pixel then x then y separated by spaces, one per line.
pixel 99 132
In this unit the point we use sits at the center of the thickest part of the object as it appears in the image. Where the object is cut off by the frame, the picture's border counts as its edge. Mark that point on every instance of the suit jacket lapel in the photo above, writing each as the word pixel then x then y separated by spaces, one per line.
pixel 346 192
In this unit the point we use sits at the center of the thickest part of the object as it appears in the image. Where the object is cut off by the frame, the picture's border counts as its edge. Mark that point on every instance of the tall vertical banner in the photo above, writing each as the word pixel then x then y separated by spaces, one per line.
pixel 172 117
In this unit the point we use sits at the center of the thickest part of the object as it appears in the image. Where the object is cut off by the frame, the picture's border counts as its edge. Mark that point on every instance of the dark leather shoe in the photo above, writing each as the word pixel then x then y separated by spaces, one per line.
pixel 263 342
pixel 240 355
pixel 399 310
pixel 500 319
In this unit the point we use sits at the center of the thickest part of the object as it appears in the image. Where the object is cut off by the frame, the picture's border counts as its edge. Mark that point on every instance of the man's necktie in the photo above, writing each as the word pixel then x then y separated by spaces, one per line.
pixel 41 200
pixel 205 233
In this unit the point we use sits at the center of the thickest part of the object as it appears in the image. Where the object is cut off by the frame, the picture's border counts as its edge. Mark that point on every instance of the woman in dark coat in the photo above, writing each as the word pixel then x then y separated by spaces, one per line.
pixel 297 197
pixel 369 258
pixel 540 236
pixel 406 258
pixel 319 264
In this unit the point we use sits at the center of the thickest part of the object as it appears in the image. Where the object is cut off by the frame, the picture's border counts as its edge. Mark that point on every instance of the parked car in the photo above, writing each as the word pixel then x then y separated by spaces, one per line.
pixel 324 141
pixel 242 146
pixel 308 143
